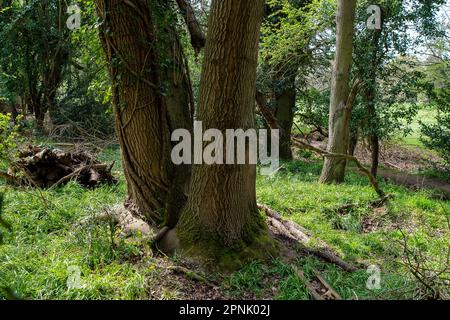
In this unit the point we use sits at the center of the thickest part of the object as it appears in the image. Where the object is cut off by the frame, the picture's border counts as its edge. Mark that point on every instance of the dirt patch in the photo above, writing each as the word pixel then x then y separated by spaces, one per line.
pixel 415 181
pixel 172 284
pixel 392 155
pixel 403 158
pixel 400 163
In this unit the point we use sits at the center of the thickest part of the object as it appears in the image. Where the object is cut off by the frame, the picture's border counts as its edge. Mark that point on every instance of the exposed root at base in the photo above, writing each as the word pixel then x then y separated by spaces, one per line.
pixel 121 216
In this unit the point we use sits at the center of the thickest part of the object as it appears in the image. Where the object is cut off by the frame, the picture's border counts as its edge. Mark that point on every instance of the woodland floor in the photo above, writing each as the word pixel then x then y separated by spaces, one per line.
pixel 47 241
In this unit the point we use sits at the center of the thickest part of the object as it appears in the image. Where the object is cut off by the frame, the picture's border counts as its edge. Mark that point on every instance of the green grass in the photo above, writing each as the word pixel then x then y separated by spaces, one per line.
pixel 425 115
pixel 47 240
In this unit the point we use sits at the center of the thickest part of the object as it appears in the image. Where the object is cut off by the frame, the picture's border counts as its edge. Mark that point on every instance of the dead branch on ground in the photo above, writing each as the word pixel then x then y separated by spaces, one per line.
pixel 293 231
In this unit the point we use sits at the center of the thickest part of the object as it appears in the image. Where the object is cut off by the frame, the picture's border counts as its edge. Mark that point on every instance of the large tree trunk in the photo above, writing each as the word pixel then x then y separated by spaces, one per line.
pixel 151 98
pixel 339 119
pixel 221 212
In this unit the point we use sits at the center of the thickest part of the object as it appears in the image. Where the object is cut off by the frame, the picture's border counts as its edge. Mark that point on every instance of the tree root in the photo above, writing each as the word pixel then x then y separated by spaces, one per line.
pixel 293 231
pixel 124 218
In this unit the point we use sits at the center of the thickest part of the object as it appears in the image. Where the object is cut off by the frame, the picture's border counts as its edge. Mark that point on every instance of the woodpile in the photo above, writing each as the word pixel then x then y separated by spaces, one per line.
pixel 45 168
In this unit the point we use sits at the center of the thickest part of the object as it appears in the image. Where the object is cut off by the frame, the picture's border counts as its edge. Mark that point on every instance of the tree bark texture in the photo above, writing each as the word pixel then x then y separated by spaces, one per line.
pixel 339 120
pixel 151 98
pixel 222 201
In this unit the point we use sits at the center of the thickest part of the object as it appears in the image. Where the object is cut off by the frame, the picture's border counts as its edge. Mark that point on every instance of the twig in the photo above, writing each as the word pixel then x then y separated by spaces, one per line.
pixel 78 172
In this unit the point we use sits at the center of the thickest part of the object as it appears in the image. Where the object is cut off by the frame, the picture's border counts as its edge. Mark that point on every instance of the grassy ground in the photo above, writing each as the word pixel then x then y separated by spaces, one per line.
pixel 37 258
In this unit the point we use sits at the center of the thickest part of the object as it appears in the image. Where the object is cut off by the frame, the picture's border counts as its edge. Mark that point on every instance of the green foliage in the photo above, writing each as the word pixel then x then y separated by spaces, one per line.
pixel 295 193
pixel 33 34
pixel 384 60
pixel 48 67
pixel 294 45
pixel 292 29
pixel 84 98
pixel 437 135
pixel 8 137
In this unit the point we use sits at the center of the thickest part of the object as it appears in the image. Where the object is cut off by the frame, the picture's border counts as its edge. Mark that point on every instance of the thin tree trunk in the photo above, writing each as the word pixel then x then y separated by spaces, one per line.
pixel 375 148
pixel 151 98
pixel 370 102
pixel 353 143
pixel 371 124
pixel 339 119
pixel 285 105
pixel 221 212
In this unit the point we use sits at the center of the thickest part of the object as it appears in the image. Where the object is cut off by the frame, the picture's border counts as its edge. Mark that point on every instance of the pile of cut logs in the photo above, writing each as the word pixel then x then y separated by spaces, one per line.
pixel 45 167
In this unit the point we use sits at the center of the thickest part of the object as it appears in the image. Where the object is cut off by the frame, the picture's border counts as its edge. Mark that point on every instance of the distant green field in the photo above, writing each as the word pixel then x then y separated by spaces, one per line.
pixel 427 116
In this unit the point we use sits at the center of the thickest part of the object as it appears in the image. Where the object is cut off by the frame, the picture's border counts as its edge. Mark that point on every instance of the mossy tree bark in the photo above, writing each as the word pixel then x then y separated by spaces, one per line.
pixel 151 98
pixel 339 119
pixel 221 213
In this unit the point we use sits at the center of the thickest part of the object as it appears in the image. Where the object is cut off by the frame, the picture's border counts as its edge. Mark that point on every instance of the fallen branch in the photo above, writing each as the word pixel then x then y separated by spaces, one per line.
pixel 331 292
pixel 8 177
pixel 373 181
pixel 191 275
pixel 308 285
pixel 292 230
pixel 77 172
pixel 318 288
pixel 129 223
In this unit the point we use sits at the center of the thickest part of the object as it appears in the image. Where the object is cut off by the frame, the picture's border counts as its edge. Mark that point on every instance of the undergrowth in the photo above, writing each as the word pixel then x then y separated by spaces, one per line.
pixel 49 241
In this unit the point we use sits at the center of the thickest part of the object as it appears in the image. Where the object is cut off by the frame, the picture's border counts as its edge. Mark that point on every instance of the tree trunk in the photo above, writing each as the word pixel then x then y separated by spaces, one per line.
pixel 221 213
pixel 151 98
pixel 57 59
pixel 39 114
pixel 339 119
pixel 371 124
pixel 375 149
pixel 353 143
pixel 371 93
pixel 14 113
pixel 285 105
